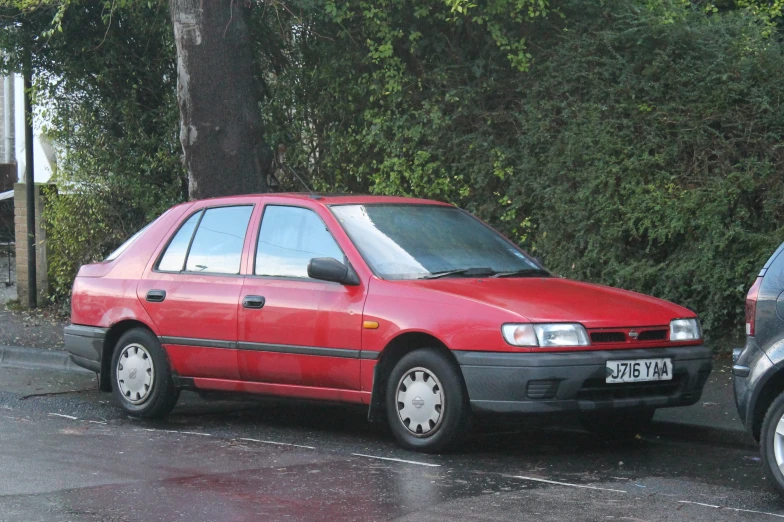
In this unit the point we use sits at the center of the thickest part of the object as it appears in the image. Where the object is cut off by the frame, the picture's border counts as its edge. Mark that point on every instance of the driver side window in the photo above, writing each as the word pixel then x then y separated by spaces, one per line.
pixel 289 238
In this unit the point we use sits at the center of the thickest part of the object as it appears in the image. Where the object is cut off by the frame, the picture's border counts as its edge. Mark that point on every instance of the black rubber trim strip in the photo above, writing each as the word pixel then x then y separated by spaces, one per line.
pixel 206 343
pixel 301 350
pixel 365 354
pixel 346 353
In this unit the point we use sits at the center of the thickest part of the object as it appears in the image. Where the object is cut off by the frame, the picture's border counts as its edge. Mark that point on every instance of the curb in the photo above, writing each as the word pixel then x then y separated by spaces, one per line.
pixel 20 357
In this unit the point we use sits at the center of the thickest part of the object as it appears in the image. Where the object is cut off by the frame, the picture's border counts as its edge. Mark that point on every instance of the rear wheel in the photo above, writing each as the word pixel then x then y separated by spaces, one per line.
pixel 141 378
pixel 615 425
pixel 426 402
pixel 772 443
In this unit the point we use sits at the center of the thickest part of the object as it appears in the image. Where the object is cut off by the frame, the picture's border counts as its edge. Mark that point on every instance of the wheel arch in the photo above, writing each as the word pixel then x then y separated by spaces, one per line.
pixel 110 341
pixel 395 350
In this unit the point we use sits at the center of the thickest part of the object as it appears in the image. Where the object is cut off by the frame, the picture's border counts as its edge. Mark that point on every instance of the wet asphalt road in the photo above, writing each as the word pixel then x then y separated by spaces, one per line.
pixel 72 455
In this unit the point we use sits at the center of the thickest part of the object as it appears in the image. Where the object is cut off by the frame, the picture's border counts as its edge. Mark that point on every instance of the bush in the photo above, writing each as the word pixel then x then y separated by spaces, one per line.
pixel 642 149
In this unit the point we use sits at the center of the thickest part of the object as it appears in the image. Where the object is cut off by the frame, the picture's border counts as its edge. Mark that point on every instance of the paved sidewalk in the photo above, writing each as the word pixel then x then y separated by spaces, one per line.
pixel 33 329
pixel 716 408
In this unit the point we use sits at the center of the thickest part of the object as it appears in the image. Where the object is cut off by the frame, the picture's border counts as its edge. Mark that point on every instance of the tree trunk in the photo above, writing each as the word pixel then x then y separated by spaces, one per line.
pixel 220 122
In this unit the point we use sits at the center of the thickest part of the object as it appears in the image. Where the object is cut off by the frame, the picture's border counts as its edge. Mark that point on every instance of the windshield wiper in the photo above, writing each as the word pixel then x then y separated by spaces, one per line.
pixel 525 272
pixel 470 272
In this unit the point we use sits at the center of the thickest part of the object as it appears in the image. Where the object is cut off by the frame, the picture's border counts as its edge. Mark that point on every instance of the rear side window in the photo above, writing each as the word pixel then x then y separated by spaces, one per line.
pixel 289 238
pixel 217 245
pixel 173 259
pixel 210 242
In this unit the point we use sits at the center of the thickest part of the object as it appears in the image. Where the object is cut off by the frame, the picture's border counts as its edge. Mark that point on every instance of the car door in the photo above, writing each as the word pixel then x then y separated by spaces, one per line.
pixel 297 332
pixel 192 291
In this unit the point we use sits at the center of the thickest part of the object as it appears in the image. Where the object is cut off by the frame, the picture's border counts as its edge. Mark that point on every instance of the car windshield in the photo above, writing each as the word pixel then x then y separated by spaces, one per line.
pixel 430 241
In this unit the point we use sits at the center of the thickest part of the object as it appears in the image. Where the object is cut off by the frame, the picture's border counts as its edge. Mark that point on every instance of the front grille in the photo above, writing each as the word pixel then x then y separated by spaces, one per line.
pixel 599 390
pixel 653 335
pixel 608 337
pixel 542 389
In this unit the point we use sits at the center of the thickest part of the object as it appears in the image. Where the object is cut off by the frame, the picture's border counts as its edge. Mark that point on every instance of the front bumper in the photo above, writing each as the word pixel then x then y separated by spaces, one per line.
pixel 575 381
pixel 85 344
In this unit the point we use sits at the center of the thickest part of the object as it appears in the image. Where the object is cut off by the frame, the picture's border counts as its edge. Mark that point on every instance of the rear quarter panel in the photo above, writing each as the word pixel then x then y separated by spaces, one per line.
pixel 105 293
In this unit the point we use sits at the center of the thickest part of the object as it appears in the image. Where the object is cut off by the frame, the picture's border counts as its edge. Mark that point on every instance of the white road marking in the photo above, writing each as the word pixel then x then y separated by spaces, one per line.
pixel 278 443
pixel 398 460
pixel 730 508
pixel 63 416
pixel 196 433
pixel 568 484
pixel 96 422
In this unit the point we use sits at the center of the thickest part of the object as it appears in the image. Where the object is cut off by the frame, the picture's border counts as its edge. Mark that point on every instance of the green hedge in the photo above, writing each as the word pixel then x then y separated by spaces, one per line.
pixel 642 148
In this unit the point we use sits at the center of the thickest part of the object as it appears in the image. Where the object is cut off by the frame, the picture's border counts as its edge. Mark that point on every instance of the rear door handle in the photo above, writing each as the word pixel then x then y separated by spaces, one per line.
pixel 156 296
pixel 253 301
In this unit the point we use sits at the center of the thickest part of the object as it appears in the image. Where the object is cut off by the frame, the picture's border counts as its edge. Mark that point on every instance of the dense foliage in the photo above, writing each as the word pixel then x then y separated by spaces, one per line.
pixel 105 86
pixel 640 147
pixel 634 143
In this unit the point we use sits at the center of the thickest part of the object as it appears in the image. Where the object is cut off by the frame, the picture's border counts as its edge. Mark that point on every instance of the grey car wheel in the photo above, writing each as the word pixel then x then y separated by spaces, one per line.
pixel 420 401
pixel 135 373
pixel 142 381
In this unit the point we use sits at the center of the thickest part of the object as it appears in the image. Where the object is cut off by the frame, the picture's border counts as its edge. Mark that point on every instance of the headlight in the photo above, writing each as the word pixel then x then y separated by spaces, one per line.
pixel 685 330
pixel 545 335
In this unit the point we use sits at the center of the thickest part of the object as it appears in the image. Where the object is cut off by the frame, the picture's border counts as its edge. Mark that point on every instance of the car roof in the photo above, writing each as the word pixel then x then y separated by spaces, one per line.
pixel 340 199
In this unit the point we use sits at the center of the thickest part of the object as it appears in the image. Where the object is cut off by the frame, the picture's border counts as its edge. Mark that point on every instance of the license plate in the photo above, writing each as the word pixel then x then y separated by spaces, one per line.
pixel 639 370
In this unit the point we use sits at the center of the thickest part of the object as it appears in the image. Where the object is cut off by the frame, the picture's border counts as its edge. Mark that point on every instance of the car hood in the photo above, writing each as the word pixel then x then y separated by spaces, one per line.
pixel 554 299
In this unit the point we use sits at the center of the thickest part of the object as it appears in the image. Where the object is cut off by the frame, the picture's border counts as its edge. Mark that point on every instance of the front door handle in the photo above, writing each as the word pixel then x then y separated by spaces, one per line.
pixel 253 301
pixel 156 296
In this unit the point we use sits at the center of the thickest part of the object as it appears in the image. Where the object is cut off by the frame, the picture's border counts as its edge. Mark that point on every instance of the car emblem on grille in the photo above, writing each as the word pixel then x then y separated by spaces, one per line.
pixel 633 334
pixel 132 373
pixel 418 402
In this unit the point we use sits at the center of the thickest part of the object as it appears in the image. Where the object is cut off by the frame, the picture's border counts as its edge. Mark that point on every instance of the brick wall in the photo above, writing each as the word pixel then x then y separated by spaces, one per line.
pixel 20 226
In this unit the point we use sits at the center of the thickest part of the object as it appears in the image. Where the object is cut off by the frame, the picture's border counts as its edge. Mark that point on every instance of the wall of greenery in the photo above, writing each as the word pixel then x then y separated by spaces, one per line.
pixel 639 146
pixel 634 143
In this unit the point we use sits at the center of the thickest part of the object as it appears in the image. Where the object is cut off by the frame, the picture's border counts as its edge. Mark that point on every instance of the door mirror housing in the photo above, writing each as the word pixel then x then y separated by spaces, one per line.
pixel 330 269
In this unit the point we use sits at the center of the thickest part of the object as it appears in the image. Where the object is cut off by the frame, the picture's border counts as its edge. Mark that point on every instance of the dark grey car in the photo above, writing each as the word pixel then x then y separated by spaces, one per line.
pixel 759 366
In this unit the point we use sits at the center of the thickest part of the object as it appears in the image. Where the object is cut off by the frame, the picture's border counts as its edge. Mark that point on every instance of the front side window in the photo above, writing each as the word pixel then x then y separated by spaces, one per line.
pixel 210 241
pixel 426 241
pixel 289 238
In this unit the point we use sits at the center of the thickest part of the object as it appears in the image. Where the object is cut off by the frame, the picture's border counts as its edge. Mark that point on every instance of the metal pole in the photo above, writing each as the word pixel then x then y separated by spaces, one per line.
pixel 32 292
pixel 8 93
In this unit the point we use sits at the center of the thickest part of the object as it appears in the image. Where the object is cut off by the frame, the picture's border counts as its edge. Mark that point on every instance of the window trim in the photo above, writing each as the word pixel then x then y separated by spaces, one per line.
pixel 252 271
pixel 203 211
pixel 373 269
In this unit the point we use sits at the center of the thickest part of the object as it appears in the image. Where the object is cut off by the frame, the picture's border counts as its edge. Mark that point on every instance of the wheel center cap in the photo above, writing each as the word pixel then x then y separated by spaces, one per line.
pixel 132 374
pixel 418 402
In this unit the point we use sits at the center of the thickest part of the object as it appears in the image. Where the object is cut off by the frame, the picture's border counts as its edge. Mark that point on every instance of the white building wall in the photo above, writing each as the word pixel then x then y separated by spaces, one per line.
pixel 41 163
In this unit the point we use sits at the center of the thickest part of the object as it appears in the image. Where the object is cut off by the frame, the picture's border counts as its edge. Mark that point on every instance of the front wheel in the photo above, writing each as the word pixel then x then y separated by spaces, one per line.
pixel 426 402
pixel 141 379
pixel 617 425
pixel 772 443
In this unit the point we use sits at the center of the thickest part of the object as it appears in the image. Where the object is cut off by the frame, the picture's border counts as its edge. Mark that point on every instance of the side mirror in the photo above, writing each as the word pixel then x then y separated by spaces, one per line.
pixel 330 269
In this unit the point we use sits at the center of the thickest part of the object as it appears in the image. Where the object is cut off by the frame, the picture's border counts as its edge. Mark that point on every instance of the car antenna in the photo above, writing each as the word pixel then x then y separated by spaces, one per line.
pixel 313 195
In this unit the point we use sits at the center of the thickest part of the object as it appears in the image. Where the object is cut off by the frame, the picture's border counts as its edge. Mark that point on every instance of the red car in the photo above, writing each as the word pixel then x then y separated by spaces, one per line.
pixel 414 308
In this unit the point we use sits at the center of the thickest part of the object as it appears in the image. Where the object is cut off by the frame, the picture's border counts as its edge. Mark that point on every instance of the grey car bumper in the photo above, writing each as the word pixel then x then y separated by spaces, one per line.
pixel 575 381
pixel 85 344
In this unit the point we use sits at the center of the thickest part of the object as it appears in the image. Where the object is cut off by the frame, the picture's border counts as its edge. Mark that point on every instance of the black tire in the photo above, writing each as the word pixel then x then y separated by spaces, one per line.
pixel 617 425
pixel 161 395
pixel 454 413
pixel 768 440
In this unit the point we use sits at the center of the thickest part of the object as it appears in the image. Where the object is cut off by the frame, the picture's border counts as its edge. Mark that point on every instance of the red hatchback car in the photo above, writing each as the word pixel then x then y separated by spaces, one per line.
pixel 411 307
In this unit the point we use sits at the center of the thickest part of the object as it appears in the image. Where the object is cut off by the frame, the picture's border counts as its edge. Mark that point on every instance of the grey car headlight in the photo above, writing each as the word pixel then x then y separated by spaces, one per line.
pixel 685 330
pixel 546 335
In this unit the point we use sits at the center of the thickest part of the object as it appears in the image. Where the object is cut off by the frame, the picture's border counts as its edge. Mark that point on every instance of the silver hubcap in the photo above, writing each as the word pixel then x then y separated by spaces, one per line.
pixel 135 373
pixel 420 402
